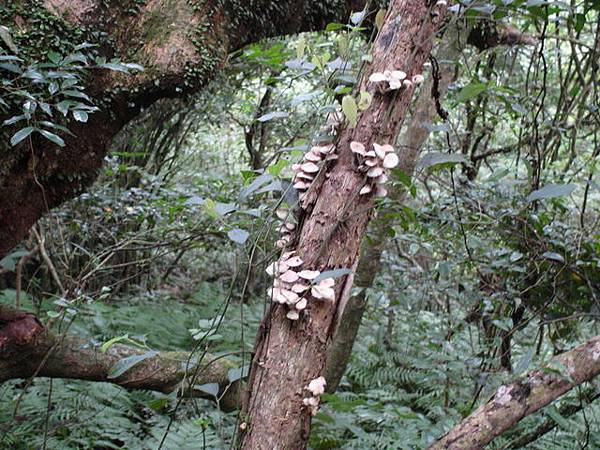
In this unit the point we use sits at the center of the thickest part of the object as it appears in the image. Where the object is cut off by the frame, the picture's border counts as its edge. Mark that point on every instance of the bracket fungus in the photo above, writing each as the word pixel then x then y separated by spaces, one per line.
pixel 374 163
pixel 316 387
pixel 291 285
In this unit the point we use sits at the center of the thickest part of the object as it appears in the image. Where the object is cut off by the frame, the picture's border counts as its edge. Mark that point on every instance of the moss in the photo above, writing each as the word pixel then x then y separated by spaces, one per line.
pixel 36 31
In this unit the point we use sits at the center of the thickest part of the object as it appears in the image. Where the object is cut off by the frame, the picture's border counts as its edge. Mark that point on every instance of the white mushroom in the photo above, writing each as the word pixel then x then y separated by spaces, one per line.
pixel 381 192
pixel 374 172
pixel 317 386
pixel 378 77
pixel 310 401
pixel 290 297
pixel 293 314
pixel 379 151
pixel 304 176
pixel 299 288
pixel 365 189
pixel 301 304
pixel 315 157
pixel 398 75
pixel 322 293
pixel 381 179
pixel 309 167
pixel 324 149
pixel 301 185
pixel 308 274
pixel 357 147
pixel 294 261
pixel 327 282
pixel 289 277
pixel 391 160
pixel 418 79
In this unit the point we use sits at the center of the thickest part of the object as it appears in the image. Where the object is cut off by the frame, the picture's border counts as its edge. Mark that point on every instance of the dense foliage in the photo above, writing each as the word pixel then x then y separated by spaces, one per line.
pixel 492 264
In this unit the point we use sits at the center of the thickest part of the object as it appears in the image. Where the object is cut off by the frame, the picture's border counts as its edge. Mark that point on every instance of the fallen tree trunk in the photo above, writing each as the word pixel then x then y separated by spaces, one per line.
pixel 28 349
pixel 514 401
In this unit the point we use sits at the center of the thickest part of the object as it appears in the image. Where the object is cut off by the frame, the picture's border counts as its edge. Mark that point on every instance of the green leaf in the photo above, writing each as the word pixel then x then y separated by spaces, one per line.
pixel 126 364
pixel 256 184
pixel 238 235
pixel 335 273
pixel 552 191
pixel 20 135
pixel 223 209
pixel 334 26
pixel 77 94
pixel 54 57
pixel 554 256
pixel 14 119
pixel 350 109
pixel 380 18
pixel 11 68
pixel 470 91
pixel 108 344
pixel 6 37
pixel 364 101
pixel 52 137
pixel 158 403
pixel 276 168
pixel 209 388
pixel 273 115
pixel 80 116
pixel 553 412
pixel 236 374
pixel 438 160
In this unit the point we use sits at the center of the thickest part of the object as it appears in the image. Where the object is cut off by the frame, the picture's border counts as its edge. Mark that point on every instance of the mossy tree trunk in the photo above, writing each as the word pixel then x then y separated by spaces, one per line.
pixel 181 44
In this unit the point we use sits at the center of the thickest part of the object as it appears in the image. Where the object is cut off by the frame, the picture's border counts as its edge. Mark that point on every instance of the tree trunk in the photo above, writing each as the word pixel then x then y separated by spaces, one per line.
pixel 457 34
pixel 182 44
pixel 289 354
pixel 412 142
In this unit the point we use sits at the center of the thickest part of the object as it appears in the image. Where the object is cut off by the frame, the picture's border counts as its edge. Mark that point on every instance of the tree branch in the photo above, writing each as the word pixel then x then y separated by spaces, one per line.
pixel 513 402
pixel 28 349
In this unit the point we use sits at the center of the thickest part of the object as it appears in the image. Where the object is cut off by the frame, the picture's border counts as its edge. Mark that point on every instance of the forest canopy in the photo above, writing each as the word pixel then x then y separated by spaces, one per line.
pixel 299 224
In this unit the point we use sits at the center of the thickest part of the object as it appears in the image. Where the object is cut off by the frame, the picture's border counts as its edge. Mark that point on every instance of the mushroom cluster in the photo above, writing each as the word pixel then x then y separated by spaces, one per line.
pixel 395 79
pixel 286 229
pixel 291 284
pixel 316 387
pixel 374 163
pixel 308 169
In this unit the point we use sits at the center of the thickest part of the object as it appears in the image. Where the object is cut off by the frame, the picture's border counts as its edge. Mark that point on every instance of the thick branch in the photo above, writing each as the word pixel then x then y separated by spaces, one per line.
pixel 513 402
pixel 27 349
pixel 181 44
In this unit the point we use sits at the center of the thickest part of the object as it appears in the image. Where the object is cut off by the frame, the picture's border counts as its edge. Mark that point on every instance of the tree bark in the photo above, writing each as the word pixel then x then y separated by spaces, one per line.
pixel 514 401
pixel 369 264
pixel 457 35
pixel 182 44
pixel 28 349
pixel 290 354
